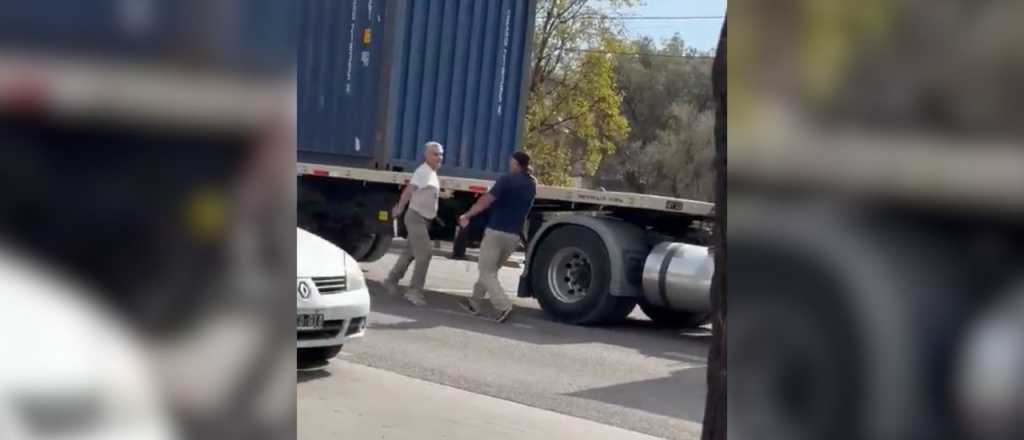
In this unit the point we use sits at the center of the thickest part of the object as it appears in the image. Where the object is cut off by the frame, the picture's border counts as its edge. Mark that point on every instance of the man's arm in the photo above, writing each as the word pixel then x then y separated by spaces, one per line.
pixel 402 201
pixel 481 205
pixel 483 202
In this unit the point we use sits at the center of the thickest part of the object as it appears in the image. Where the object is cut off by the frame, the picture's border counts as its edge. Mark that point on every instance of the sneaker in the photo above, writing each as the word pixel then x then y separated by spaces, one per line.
pixel 504 315
pixel 416 298
pixel 468 305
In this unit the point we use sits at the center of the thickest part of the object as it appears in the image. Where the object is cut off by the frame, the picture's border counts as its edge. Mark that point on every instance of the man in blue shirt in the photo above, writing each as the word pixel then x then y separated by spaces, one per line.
pixel 508 203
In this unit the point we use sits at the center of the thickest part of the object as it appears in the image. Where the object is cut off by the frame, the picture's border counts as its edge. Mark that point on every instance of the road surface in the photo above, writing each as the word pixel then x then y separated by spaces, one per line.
pixel 419 368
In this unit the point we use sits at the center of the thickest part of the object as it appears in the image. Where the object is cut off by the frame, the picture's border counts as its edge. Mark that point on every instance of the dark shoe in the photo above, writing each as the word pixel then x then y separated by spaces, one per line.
pixel 504 315
pixel 467 305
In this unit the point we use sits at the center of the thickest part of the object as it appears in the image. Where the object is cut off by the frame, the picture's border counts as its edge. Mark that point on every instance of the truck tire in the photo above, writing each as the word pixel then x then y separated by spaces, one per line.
pixel 571 273
pixel 360 246
pixel 381 246
pixel 666 317
pixel 837 323
pixel 802 350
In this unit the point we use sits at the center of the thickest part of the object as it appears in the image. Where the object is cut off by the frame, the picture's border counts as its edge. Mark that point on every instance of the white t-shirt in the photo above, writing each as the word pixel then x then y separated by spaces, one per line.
pixel 426 189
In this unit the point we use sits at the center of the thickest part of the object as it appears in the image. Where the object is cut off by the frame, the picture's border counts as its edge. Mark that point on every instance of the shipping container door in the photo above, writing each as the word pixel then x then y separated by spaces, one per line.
pixel 339 69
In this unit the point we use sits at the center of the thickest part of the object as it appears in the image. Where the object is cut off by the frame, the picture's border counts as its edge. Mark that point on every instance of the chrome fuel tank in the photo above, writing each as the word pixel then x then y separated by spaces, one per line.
pixel 678 276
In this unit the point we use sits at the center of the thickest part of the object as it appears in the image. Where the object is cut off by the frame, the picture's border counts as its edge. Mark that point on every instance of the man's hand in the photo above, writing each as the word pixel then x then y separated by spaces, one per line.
pixel 396 211
pixel 463 221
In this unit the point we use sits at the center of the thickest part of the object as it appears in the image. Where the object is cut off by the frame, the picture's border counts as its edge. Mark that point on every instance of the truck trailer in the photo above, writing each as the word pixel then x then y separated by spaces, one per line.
pixel 377 80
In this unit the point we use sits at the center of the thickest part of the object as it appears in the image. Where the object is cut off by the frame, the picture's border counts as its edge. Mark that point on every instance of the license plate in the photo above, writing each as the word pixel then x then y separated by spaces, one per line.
pixel 309 321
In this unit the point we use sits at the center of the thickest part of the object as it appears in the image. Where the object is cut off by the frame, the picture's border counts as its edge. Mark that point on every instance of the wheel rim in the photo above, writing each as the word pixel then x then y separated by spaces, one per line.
pixel 570 275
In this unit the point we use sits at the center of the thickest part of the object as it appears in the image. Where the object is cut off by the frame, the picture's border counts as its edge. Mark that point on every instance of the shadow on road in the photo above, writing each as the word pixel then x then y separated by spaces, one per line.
pixel 533 326
pixel 310 373
pixel 645 395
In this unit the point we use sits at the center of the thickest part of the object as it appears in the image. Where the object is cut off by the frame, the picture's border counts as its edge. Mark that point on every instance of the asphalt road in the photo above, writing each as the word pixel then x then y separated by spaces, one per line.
pixel 632 376
pixel 392 406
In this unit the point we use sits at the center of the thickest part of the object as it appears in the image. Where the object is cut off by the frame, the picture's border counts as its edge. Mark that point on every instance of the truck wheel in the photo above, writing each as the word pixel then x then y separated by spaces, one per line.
pixel 381 246
pixel 571 276
pixel 360 246
pixel 836 325
pixel 793 358
pixel 667 317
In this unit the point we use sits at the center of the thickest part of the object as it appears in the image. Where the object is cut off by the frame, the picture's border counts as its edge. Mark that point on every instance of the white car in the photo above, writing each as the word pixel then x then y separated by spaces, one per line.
pixel 78 372
pixel 332 302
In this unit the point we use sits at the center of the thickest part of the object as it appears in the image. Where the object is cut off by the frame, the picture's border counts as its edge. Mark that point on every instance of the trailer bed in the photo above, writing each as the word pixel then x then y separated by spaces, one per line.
pixel 571 195
pixel 81 88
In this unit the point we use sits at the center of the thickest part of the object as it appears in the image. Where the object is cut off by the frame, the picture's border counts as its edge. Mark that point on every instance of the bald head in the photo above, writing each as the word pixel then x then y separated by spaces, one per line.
pixel 433 154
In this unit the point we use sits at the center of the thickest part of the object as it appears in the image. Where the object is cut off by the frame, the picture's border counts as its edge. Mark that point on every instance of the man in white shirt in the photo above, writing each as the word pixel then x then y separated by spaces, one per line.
pixel 420 195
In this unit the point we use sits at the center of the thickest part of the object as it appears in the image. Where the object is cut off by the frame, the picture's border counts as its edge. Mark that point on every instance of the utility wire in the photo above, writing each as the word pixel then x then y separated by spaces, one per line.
pixel 637 17
pixel 684 17
pixel 607 52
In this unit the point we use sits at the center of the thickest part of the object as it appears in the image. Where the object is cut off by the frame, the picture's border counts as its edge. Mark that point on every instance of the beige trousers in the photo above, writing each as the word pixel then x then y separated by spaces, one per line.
pixel 417 249
pixel 494 251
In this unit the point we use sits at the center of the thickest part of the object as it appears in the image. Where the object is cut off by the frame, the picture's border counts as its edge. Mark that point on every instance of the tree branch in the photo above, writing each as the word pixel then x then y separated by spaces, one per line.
pixel 548 62
pixel 535 79
pixel 554 125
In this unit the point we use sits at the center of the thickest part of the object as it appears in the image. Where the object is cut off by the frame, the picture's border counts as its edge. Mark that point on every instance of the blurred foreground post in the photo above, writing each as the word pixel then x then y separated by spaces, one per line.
pixel 715 408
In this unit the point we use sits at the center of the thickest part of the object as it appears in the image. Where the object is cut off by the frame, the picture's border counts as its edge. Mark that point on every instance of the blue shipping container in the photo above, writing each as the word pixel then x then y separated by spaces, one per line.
pixel 245 35
pixel 379 78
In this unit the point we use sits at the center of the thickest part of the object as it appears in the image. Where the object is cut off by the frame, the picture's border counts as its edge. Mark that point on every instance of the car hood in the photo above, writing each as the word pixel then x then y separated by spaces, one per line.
pixel 316 257
pixel 71 353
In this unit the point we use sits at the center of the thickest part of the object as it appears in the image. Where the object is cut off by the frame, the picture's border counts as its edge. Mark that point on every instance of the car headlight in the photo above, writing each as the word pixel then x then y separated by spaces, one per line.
pixel 354 276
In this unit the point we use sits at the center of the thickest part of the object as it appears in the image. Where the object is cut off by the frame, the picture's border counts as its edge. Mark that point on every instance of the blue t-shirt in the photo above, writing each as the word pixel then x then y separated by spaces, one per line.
pixel 513 198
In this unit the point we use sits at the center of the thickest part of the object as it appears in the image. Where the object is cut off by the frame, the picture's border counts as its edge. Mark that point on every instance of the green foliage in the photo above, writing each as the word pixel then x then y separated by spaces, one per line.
pixel 678 162
pixel 833 32
pixel 574 116
pixel 668 102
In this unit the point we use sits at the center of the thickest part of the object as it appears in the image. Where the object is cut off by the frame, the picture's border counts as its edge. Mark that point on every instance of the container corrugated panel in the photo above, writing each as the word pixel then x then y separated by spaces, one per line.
pixel 241 34
pixel 260 34
pixel 447 70
pixel 98 24
pixel 340 59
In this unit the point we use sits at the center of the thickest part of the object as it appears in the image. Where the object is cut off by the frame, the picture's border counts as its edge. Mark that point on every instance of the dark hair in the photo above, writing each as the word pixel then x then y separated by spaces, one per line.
pixel 523 159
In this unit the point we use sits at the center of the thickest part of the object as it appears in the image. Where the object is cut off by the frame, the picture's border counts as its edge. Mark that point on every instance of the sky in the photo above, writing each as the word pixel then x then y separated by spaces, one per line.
pixel 702 34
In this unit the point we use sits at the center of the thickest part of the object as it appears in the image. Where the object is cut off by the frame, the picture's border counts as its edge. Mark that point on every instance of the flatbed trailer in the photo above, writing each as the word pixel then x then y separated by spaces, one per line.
pixel 591 255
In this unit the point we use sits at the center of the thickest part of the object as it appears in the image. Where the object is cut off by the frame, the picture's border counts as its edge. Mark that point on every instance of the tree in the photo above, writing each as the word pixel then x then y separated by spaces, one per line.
pixel 574 117
pixel 716 403
pixel 668 103
pixel 677 161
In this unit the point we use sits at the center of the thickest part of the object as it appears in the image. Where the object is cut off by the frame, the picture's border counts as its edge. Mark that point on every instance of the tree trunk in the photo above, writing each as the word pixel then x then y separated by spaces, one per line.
pixel 715 406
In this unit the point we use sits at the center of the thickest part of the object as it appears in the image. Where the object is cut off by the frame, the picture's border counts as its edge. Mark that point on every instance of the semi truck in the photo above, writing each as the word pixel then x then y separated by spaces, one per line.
pixel 377 80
